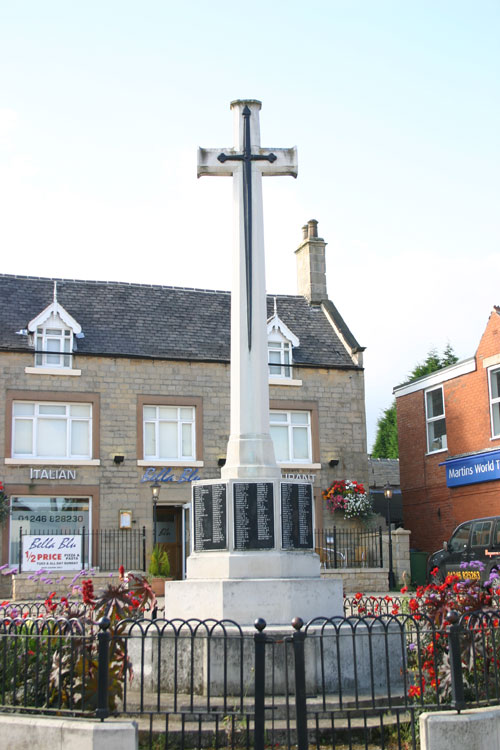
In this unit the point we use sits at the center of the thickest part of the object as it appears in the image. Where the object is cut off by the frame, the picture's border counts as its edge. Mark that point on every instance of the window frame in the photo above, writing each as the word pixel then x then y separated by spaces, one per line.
pixel 42 354
pixel 494 402
pixel 430 420
pixel 312 408
pixel 179 421
pixel 37 417
pixel 52 397
pixel 197 436
pixel 283 347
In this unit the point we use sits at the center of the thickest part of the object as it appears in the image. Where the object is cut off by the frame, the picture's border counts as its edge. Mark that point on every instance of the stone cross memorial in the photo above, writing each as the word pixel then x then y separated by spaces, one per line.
pixel 252 551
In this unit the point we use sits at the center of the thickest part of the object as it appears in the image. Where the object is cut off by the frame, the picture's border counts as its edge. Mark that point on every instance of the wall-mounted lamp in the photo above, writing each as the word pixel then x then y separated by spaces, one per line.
pixel 333 462
pixel 221 461
pixel 118 459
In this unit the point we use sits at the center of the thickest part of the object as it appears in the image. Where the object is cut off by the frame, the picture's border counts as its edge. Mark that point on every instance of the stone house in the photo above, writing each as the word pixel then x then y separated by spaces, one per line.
pixel 449 443
pixel 108 387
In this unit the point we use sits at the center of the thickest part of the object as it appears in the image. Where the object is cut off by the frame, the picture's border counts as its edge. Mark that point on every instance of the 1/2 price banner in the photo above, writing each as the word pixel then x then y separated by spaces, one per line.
pixel 54 552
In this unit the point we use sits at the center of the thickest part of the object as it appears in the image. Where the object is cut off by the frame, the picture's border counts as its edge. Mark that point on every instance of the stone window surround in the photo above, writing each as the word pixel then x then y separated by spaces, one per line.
pixel 68 397
pixel 51 490
pixel 153 400
pixel 312 407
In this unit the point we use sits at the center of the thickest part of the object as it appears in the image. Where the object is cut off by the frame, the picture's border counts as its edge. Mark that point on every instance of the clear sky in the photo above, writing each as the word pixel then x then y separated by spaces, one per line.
pixel 394 107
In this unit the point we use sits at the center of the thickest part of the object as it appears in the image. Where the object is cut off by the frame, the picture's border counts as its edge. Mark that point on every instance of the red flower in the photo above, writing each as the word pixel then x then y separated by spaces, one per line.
pixel 404 589
pixel 121 572
pixel 413 604
pixel 358 596
pixel 88 592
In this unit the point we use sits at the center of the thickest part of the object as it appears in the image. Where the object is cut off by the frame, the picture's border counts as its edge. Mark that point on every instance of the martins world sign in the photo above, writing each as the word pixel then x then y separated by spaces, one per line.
pixel 481 467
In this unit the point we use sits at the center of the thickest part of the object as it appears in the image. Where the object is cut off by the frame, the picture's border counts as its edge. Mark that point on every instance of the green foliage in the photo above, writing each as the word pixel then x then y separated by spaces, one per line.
pixel 159 566
pixel 386 439
pixel 432 363
pixel 4 504
pixel 51 661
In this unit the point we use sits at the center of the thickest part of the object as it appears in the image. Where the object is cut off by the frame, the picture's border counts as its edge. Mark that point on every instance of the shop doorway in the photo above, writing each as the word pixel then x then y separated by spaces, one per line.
pixel 169 537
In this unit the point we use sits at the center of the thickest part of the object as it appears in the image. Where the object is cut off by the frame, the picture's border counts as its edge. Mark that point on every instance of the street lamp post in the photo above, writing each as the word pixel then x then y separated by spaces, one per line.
pixel 155 491
pixel 388 497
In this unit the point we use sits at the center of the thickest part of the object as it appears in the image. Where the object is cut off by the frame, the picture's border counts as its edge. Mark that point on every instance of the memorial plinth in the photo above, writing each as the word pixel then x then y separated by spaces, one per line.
pixel 252 534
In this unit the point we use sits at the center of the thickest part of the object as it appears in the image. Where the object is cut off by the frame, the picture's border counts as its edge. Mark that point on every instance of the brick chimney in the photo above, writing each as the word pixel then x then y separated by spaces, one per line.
pixel 311 266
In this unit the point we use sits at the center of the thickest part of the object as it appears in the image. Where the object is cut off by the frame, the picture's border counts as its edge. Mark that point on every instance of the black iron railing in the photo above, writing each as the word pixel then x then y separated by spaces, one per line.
pixel 348 548
pixel 355 681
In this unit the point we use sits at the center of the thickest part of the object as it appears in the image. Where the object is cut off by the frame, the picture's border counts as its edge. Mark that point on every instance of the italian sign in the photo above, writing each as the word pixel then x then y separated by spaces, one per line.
pixel 57 552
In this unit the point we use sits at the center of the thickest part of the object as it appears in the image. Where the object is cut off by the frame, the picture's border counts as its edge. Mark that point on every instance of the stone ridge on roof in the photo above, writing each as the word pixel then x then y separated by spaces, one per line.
pixel 163 322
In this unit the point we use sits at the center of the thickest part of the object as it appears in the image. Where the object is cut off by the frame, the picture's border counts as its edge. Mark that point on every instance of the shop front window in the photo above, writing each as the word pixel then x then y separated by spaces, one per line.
pixel 49 516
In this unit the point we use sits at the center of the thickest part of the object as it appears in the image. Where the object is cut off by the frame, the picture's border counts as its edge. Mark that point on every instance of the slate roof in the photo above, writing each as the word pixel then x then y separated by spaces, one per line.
pixel 140 320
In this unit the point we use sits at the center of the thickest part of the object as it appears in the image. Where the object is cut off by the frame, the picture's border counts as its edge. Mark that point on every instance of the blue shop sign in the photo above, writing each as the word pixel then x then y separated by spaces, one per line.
pixel 167 475
pixel 482 467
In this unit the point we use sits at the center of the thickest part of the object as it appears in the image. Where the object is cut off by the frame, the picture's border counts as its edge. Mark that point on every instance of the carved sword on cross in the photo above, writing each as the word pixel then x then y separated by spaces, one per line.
pixel 247 167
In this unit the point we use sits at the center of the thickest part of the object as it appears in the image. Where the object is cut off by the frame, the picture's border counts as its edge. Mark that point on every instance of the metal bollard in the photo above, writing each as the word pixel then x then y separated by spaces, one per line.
pixel 103 639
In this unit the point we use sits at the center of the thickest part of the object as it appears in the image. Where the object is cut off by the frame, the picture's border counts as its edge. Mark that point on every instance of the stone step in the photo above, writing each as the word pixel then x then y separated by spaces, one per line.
pixel 278 731
pixel 277 708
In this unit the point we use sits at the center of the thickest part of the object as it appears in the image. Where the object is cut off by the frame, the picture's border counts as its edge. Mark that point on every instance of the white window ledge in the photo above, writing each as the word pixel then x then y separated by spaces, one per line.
pixel 433 453
pixel 51 371
pixel 53 461
pixel 284 381
pixel 298 466
pixel 170 462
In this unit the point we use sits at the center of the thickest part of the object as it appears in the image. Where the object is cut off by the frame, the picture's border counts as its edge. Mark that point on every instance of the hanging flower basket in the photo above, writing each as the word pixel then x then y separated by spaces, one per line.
pixel 349 498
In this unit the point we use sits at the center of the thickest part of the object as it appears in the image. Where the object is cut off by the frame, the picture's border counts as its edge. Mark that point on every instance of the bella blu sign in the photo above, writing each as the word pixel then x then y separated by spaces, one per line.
pixel 482 467
pixel 56 552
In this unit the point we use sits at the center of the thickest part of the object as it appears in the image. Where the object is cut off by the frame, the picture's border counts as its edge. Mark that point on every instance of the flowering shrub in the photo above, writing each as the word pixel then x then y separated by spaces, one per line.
pixel 349 497
pixel 427 615
pixel 53 659
pixel 463 600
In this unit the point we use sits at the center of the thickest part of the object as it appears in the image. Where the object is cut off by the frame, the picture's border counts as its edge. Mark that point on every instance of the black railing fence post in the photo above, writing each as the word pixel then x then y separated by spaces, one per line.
pixel 298 639
pixel 260 684
pixel 83 547
pixel 335 546
pixel 20 549
pixel 380 546
pixel 103 639
pixel 144 549
pixel 457 683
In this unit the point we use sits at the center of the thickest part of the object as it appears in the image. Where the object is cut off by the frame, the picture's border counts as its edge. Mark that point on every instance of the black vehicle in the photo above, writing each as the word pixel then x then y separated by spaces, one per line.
pixel 472 541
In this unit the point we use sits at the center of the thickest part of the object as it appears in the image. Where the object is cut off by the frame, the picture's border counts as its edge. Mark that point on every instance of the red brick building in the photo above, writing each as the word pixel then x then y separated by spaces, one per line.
pixel 449 443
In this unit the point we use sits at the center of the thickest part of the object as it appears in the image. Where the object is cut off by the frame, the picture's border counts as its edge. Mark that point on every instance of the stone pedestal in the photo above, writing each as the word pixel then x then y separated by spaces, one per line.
pixel 277 600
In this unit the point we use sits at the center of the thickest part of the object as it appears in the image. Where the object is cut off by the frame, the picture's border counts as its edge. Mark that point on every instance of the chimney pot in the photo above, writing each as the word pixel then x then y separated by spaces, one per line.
pixel 305 232
pixel 313 228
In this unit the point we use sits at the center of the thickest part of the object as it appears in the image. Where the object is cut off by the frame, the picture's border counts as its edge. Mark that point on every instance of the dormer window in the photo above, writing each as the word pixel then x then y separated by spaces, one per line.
pixel 53 335
pixel 53 347
pixel 280 358
pixel 280 342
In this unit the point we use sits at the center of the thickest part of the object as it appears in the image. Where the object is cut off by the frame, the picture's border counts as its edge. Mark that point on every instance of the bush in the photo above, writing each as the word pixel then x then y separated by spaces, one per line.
pixel 159 566
pixel 52 661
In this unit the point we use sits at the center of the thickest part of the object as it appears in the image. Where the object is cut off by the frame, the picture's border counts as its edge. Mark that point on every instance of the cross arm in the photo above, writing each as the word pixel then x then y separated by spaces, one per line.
pixel 284 164
pixel 208 164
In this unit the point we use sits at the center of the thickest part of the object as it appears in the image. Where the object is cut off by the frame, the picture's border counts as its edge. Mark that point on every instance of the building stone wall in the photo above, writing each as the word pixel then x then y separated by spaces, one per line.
pixel 339 395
